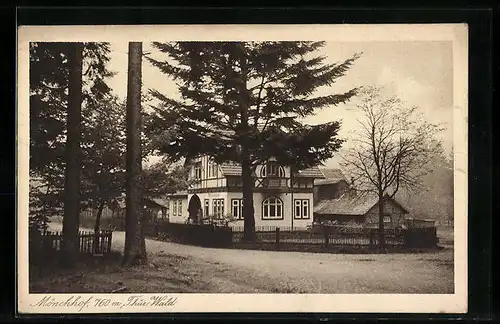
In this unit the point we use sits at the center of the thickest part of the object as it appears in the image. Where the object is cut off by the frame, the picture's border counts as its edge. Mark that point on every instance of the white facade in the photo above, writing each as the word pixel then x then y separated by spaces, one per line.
pixel 276 202
pixel 177 208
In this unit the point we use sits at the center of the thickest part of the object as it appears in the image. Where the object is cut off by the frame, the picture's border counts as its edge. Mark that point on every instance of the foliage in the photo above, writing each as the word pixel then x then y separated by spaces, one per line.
pixel 435 201
pixel 278 90
pixel 103 152
pixel 163 178
pixel 49 82
pixel 243 101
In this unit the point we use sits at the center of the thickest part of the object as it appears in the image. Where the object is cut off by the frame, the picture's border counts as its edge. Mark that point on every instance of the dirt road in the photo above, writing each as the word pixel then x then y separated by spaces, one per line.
pixel 246 271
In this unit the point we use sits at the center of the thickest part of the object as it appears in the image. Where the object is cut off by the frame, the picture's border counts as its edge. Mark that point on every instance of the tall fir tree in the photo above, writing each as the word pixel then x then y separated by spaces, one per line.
pixel 49 75
pixel 69 244
pixel 66 80
pixel 243 101
pixel 135 246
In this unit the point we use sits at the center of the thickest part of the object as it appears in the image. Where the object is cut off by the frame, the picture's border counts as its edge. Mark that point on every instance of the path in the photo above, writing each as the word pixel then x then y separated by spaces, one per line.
pixel 231 270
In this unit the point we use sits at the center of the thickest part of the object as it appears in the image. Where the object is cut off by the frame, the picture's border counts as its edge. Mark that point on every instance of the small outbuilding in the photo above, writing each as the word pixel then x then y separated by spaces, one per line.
pixel 361 209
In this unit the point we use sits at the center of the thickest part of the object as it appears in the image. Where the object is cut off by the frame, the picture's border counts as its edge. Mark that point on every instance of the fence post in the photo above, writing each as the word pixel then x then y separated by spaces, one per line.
pixel 325 233
pixel 110 236
pixel 406 238
pixel 102 239
pixel 277 237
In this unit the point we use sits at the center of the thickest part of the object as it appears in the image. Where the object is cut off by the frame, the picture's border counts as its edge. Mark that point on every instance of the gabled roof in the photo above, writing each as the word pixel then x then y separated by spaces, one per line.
pixel 331 176
pixel 351 204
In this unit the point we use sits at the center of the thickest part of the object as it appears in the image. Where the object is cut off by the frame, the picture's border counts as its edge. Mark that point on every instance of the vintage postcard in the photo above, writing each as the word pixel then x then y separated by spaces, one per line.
pixel 242 168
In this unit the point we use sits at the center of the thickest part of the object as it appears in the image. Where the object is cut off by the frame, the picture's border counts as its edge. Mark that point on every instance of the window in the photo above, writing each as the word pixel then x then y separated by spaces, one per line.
pixel 271 169
pixel 272 208
pixel 234 182
pixel 218 208
pixel 387 218
pixel 237 208
pixel 179 206
pixel 197 171
pixel 301 210
pixel 174 208
pixel 301 183
pixel 207 210
pixel 212 170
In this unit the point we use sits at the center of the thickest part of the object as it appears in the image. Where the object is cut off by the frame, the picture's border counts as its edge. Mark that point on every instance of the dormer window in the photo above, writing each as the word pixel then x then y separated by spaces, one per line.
pixel 272 169
pixel 212 169
pixel 197 171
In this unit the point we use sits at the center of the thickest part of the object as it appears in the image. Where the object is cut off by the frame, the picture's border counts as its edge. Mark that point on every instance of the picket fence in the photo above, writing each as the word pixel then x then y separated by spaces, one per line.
pixel 88 242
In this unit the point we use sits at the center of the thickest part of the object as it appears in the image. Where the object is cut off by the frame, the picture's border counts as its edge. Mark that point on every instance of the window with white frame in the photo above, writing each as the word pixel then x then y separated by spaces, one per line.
pixel 301 210
pixel 174 208
pixel 207 205
pixel 272 208
pixel 179 207
pixel 237 208
pixel 272 169
pixel 387 218
pixel 197 171
pixel 212 169
pixel 218 208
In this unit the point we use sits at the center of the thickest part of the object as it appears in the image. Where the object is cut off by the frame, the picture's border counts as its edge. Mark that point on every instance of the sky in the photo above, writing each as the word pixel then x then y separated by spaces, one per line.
pixel 418 72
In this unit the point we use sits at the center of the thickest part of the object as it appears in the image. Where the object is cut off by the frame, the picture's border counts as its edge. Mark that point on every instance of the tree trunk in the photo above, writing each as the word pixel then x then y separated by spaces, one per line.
pixel 97 225
pixel 135 247
pixel 381 231
pixel 71 218
pixel 246 167
pixel 248 210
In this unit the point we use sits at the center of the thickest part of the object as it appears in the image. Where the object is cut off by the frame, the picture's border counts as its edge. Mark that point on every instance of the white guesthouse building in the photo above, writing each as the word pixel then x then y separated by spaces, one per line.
pixel 279 199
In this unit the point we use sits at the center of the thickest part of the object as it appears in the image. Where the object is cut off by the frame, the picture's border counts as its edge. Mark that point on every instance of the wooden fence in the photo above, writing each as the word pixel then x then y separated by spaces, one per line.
pixel 201 235
pixel 327 236
pixel 421 237
pixel 46 245
pixel 325 239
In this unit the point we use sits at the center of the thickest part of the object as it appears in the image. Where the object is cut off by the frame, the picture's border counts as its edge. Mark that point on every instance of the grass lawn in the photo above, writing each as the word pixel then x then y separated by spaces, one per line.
pixel 162 274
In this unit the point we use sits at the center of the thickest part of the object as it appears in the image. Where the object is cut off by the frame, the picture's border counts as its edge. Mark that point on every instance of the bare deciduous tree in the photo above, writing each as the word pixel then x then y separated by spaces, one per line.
pixel 393 148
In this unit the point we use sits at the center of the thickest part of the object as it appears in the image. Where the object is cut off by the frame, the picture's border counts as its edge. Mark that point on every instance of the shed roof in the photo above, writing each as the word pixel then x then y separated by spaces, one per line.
pixel 178 193
pixel 121 202
pixel 312 172
pixel 331 176
pixel 159 201
pixel 351 203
